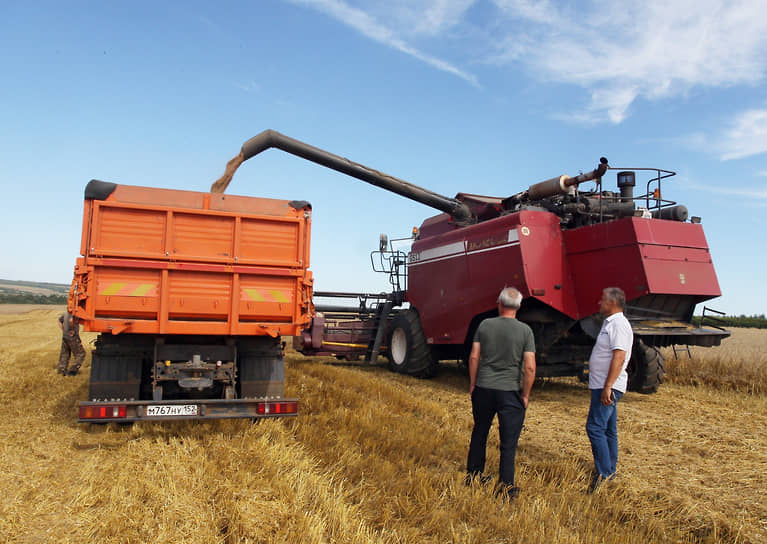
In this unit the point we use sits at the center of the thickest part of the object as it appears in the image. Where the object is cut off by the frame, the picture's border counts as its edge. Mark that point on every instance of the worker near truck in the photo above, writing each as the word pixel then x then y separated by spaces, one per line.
pixel 608 380
pixel 70 345
pixel 501 371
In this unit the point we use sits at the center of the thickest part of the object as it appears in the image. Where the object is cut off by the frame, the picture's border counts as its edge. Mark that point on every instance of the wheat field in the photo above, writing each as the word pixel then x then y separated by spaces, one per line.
pixel 376 457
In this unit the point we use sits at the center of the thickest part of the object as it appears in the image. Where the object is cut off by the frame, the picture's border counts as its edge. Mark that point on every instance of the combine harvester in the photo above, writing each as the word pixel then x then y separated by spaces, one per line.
pixel 191 292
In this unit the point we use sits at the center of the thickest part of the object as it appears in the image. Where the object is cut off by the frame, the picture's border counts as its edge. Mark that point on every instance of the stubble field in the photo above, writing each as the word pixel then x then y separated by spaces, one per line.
pixel 377 457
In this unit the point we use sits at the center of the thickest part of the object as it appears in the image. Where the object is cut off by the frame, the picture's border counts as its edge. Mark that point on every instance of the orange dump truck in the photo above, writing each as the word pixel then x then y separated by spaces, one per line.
pixel 191 293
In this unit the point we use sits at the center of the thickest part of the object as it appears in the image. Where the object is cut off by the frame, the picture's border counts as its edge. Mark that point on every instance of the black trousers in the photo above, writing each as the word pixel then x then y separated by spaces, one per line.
pixel 485 403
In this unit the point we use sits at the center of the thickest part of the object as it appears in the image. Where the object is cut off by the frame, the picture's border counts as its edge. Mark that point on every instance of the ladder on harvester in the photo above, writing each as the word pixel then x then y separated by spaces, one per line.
pixel 393 263
pixel 379 326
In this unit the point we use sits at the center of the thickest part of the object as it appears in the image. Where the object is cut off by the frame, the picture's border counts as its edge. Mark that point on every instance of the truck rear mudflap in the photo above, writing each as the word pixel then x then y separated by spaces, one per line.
pixel 166 410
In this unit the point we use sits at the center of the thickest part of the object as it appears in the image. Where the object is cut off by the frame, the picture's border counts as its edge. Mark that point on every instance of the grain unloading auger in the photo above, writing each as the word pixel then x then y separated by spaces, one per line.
pixel 558 245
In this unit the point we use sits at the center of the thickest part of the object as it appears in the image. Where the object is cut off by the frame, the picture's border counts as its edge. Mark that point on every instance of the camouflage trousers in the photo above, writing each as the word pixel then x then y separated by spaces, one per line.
pixel 71 345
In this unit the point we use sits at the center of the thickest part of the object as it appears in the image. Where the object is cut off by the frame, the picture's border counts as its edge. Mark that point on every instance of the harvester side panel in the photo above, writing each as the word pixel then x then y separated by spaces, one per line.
pixel 457 275
pixel 641 256
pixel 495 259
pixel 438 278
pixel 546 268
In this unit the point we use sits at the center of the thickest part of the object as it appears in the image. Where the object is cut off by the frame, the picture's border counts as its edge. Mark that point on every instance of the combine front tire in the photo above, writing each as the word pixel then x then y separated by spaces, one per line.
pixel 408 351
pixel 645 369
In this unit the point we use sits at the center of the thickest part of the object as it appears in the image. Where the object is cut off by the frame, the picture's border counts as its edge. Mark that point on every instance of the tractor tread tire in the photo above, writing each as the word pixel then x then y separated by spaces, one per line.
pixel 646 368
pixel 419 361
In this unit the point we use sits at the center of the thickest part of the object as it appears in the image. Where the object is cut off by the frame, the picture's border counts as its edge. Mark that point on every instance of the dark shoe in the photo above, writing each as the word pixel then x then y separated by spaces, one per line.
pixel 73 372
pixel 598 482
pixel 481 479
pixel 507 492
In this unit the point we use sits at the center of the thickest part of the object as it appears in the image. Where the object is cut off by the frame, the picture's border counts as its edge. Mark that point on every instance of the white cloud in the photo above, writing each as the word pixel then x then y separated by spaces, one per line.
pixel 436 16
pixel 421 17
pixel 746 136
pixel 623 50
pixel 617 51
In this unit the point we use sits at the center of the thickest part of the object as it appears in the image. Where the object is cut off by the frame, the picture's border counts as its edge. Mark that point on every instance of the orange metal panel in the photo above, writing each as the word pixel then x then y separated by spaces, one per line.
pixel 128 231
pixel 264 298
pixel 126 292
pixel 199 295
pixel 198 236
pixel 269 242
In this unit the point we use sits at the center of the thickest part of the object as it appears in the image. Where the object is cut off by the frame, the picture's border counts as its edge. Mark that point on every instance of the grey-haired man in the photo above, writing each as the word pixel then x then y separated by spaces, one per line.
pixel 501 371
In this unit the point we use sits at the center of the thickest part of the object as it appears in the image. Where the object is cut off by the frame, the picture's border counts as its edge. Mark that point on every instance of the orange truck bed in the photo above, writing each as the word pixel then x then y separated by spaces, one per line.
pixel 170 262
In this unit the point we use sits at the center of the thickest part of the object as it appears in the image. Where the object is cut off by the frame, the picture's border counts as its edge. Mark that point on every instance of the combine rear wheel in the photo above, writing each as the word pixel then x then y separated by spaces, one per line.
pixel 408 351
pixel 645 369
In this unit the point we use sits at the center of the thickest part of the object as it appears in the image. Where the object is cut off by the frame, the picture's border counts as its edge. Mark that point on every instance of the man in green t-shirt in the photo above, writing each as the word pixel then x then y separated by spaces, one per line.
pixel 501 370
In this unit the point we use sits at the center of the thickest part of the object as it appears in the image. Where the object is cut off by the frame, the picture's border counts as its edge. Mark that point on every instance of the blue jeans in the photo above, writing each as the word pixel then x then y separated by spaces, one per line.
pixel 602 428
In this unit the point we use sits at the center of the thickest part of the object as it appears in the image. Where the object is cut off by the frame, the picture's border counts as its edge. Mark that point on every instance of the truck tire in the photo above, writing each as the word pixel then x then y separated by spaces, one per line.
pixel 408 351
pixel 117 366
pixel 645 368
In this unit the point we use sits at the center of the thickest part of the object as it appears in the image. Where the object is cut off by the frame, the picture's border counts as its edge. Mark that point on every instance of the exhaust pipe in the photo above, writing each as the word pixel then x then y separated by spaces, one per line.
pixel 563 184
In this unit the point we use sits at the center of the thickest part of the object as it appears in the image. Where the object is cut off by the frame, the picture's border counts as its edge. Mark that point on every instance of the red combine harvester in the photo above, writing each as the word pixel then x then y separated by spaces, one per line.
pixel 558 245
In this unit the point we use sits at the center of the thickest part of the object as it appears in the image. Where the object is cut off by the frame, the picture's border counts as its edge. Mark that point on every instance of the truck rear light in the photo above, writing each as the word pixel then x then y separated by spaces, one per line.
pixel 103 412
pixel 267 408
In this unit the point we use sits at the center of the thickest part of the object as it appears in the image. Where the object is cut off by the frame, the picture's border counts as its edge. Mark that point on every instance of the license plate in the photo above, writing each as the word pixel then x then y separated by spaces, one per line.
pixel 171 410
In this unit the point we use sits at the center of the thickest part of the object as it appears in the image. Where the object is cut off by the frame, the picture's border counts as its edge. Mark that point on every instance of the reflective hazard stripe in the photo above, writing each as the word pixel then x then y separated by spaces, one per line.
pixel 279 296
pixel 128 289
pixel 254 295
pixel 112 289
pixel 141 290
pixel 266 295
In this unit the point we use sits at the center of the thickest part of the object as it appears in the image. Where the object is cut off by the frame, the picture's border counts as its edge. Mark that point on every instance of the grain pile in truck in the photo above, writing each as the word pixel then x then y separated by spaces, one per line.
pixel 191 293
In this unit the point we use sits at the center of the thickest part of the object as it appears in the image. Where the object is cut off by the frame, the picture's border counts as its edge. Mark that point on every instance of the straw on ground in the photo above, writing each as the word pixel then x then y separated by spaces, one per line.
pixel 376 457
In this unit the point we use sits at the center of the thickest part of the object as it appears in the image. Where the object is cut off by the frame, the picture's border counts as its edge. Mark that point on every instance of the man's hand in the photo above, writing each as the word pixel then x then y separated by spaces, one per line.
pixel 525 400
pixel 473 365
pixel 607 396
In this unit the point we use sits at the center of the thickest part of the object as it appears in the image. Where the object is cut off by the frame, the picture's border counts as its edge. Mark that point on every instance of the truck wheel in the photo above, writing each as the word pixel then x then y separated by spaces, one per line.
pixel 408 351
pixel 645 368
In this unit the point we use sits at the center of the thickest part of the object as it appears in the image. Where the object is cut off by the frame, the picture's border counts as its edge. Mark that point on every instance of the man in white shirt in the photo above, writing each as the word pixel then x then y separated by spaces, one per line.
pixel 607 381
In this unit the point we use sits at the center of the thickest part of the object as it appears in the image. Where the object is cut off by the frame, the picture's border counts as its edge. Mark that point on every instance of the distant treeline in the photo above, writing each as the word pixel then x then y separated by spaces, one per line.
pixel 748 321
pixel 31 298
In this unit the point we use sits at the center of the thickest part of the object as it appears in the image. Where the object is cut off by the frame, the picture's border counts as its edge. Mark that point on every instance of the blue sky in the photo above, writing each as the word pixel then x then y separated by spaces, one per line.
pixel 484 96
